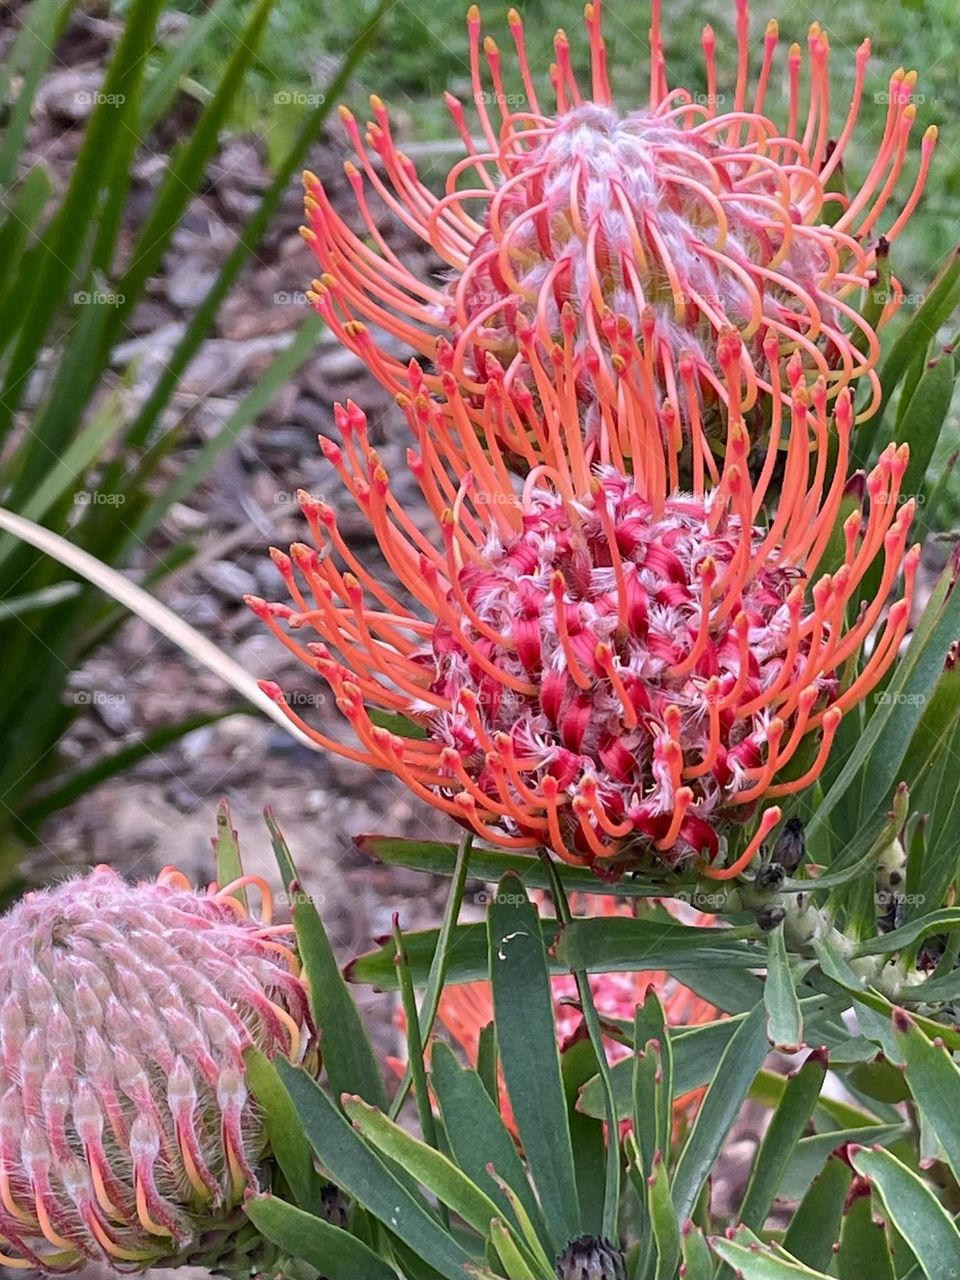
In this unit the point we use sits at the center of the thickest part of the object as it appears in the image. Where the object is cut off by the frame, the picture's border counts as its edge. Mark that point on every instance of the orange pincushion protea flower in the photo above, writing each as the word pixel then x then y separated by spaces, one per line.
pixel 593 663
pixel 673 221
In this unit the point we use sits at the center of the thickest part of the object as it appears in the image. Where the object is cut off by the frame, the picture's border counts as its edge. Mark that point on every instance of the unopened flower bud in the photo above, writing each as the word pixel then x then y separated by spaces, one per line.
pixel 591 1258
pixel 132 1142
pixel 791 845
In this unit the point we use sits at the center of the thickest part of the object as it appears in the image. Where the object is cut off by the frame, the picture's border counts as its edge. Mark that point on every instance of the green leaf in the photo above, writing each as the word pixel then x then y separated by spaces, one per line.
pixel 65 474
pixel 863 1244
pixel 437 858
pixel 578 1064
pixel 28 58
pixel 436 977
pixel 696 1053
pixel 348 1056
pixel 477 1135
pixel 187 165
pixel 430 1168
pixel 815 1225
pixel 516 1265
pixel 898 939
pixel 936 308
pixel 721 1105
pixel 523 1006
pixel 202 320
pixel 752 1261
pixel 784 1020
pixel 332 1251
pixel 180 59
pixel 93 198
pixel 356 1170
pixel 665 1222
pixel 36 601
pixel 787 1126
pixel 468 957
pixel 284 1131
pixel 608 944
pixel 915 1212
pixel 934 1080
pixel 226 852
pixel 876 761
pixel 923 420
pixel 697 1262
pixel 67 788
pixel 416 1068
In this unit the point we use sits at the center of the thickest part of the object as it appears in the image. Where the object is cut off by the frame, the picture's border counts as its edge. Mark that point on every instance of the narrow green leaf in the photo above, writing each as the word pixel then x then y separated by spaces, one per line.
pixel 578 1064
pixel 908 934
pixel 516 1265
pixel 416 1069
pixel 226 851
pixel 527 1037
pixel 488 1062
pixel 812 1153
pixel 284 1131
pixel 752 1261
pixel 85 205
pixel 864 1250
pixel 697 1262
pixel 36 601
pixel 356 1170
pixel 915 1212
pixel 430 1168
pixel 65 472
pixel 202 320
pixel 621 943
pixel 477 1136
pixel 348 1056
pixel 437 858
pixel 876 761
pixel 29 57
pixel 278 374
pixel 784 1020
pixel 665 1222
pixel 63 789
pixel 787 1126
pixel 437 974
pixel 815 1225
pixel 934 1080
pixel 186 167
pixel 924 419
pixel 159 93
pixel 332 1251
pixel 721 1105
pixel 936 308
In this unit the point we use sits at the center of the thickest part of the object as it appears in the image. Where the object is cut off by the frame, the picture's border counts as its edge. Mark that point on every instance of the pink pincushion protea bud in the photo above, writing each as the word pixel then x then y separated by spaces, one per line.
pixel 600 665
pixel 659 229
pixel 126 1130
